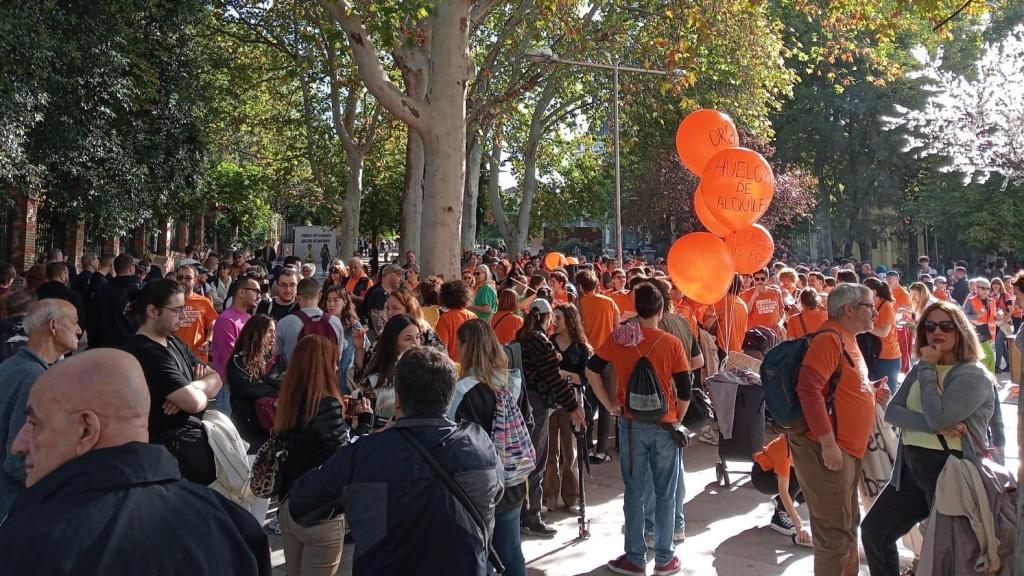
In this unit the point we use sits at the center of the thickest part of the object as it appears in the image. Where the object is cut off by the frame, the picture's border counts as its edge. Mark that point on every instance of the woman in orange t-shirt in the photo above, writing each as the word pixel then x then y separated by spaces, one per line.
pixel 506 322
pixel 454 297
pixel 729 318
pixel 888 361
pixel 810 318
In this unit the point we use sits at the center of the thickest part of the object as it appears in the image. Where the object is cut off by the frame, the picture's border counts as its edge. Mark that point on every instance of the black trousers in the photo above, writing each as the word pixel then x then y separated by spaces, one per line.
pixel 895 513
pixel 535 494
pixel 767 482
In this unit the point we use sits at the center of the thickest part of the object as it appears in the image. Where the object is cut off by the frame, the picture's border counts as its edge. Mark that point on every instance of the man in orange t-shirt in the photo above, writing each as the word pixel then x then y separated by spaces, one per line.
pixel 648 449
pixel 454 297
pixel 900 296
pixel 620 295
pixel 827 454
pixel 765 306
pixel 729 318
pixel 599 313
pixel 195 324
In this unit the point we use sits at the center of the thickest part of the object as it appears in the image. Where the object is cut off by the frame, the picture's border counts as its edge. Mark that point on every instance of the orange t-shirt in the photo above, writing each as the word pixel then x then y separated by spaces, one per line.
pixel 196 323
pixel 624 302
pixel 941 294
pixel 854 399
pixel 891 341
pixel 447 325
pixel 665 353
pixel 775 456
pixel 901 297
pixel 598 314
pixel 729 336
pixel 765 309
pixel 812 319
pixel 505 325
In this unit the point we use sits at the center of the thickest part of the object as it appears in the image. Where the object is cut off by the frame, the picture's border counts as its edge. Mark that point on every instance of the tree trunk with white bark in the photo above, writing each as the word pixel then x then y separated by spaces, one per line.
pixel 469 203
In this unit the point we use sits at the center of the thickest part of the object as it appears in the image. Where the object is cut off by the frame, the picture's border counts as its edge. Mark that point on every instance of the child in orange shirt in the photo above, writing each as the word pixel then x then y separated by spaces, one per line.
pixel 773 474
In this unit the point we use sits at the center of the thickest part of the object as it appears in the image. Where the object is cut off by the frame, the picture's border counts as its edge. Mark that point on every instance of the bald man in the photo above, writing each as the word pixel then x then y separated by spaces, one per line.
pixel 52 329
pixel 101 500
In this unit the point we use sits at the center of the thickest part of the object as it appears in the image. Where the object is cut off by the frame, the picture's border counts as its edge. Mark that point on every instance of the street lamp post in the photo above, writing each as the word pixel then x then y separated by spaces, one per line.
pixel 546 56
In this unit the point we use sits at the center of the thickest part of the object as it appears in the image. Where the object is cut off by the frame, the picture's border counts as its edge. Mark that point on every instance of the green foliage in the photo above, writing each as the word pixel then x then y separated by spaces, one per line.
pixel 108 119
pixel 241 195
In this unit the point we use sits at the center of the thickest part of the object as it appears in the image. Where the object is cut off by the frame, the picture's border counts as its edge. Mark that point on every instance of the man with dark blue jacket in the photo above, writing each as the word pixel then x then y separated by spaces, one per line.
pixel 404 519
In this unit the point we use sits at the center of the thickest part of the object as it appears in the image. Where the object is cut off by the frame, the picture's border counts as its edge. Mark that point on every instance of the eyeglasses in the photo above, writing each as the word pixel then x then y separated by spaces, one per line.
pixel 178 310
pixel 467 277
pixel 947 326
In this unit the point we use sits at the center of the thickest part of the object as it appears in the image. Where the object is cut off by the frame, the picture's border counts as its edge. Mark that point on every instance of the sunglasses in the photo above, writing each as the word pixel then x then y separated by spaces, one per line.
pixel 947 326
pixel 760 279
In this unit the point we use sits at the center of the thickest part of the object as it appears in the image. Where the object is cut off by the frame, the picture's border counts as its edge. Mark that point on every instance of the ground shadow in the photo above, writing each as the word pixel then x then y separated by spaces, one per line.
pixel 748 546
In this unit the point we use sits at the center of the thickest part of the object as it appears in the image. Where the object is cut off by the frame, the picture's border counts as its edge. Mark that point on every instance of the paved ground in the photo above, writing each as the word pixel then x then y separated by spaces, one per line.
pixel 727 528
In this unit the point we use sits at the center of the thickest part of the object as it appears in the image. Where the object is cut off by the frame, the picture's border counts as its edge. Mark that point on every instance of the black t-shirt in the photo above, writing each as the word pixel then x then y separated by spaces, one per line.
pixel 276 310
pixel 167 369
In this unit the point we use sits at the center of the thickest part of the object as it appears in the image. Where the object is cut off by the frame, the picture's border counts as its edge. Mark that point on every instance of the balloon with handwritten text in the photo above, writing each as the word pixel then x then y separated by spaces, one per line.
pixel 701 135
pixel 704 215
pixel 738 187
pixel 751 248
pixel 701 266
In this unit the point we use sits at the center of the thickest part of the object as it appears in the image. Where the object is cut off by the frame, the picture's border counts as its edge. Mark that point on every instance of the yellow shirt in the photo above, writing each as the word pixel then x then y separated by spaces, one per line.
pixel 924 439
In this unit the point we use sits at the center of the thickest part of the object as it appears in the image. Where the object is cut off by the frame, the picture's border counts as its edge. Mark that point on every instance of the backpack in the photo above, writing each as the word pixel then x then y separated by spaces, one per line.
pixel 229 455
pixel 780 371
pixel 10 346
pixel 320 325
pixel 509 432
pixel 645 397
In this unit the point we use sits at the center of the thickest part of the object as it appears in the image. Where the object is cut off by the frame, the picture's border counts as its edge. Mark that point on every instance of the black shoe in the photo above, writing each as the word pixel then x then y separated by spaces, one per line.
pixel 782 524
pixel 539 529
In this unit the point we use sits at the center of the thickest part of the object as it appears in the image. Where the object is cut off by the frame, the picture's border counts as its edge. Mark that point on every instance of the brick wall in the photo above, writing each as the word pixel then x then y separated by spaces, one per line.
pixel 74 241
pixel 24 229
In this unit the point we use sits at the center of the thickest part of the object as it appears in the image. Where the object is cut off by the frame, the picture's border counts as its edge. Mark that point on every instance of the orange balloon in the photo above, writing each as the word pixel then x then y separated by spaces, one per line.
pixel 751 248
pixel 701 135
pixel 701 267
pixel 554 260
pixel 738 187
pixel 705 217
pixel 572 260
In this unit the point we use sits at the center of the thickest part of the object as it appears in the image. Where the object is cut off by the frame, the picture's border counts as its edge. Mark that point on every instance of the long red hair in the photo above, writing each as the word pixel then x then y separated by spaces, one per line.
pixel 312 375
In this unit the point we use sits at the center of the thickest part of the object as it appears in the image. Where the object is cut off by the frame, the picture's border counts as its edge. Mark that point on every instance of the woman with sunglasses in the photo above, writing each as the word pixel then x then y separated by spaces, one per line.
pixel 943 407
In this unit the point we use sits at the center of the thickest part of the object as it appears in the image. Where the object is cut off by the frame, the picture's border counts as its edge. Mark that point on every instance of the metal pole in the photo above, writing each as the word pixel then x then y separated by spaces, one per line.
pixel 618 191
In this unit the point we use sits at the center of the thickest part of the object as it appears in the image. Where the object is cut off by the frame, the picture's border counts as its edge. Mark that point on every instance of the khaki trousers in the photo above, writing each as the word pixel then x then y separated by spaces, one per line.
pixel 314 551
pixel 833 506
pixel 561 475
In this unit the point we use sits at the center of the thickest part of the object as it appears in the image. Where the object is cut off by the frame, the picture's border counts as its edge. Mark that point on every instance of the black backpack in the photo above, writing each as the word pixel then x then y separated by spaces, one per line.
pixel 645 398
pixel 12 338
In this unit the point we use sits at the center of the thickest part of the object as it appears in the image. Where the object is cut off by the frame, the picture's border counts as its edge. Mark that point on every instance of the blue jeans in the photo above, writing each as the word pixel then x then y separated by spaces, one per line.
pixel 507 543
pixel 680 517
pixel 222 402
pixel 1002 351
pixel 651 450
pixel 890 368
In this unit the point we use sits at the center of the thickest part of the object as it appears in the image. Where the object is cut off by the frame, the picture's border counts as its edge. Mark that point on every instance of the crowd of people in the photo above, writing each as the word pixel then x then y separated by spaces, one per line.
pixel 407 407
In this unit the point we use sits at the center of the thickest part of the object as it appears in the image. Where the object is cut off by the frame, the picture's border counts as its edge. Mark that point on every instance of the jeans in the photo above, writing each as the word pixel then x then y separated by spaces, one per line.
pixel 539 436
pixel 1002 351
pixel 679 523
pixel 896 512
pixel 890 368
pixel 507 543
pixel 222 402
pixel 648 448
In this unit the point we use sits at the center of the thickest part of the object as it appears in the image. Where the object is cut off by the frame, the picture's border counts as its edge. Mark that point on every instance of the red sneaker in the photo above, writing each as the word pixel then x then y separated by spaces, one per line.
pixel 623 566
pixel 673 567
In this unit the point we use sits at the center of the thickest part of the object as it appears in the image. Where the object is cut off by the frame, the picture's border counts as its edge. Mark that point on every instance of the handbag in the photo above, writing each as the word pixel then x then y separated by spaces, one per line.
pixel 190 446
pixel 266 469
pixel 700 409
pixel 460 495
